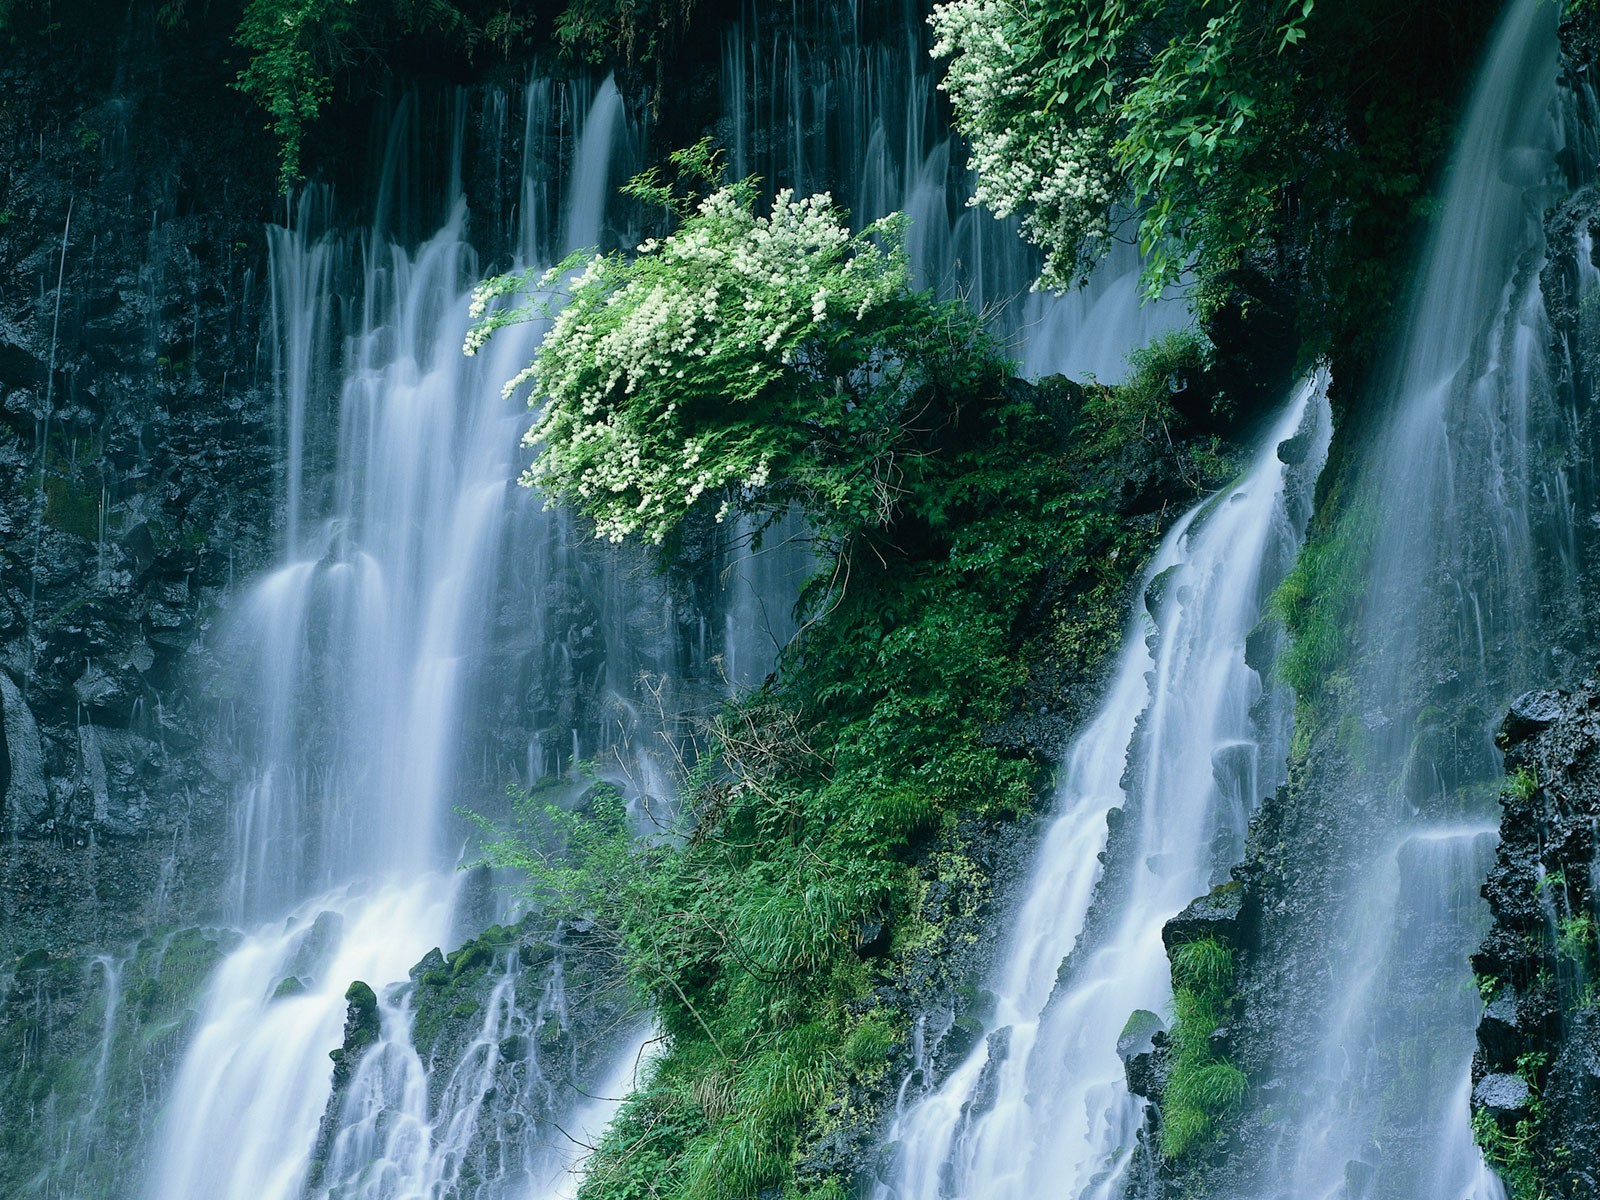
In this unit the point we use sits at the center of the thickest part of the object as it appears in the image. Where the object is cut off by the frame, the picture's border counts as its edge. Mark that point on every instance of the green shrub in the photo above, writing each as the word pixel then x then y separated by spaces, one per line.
pixel 753 360
pixel 1319 599
pixel 1202 1089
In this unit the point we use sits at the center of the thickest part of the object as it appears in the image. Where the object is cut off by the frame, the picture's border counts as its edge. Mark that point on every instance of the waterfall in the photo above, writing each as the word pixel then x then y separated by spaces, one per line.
pixel 364 652
pixel 1373 1101
pixel 362 661
pixel 809 102
pixel 1188 735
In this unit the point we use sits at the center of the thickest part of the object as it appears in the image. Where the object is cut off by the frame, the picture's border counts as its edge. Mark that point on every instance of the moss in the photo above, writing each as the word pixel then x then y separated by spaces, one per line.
pixel 1203 1089
pixel 88 1111
pixel 362 1023
pixel 866 1048
pixel 72 509
pixel 832 801
pixel 475 955
pixel 1318 601
pixel 33 961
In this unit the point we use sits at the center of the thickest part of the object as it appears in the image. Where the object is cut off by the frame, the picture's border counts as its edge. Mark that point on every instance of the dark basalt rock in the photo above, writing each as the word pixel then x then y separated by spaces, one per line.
pixel 1530 714
pixel 1503 1095
pixel 361 1029
pixel 1140 1047
pixel 1217 914
pixel 1539 1035
pixel 998 1049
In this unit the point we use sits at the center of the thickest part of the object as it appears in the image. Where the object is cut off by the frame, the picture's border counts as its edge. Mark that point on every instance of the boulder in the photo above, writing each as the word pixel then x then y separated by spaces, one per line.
pixel 1216 914
pixel 1530 713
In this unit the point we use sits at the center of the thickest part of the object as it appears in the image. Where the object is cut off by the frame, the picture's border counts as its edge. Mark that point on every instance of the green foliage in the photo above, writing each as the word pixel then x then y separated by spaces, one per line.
pixel 295 47
pixel 300 50
pixel 868 1047
pixel 1142 406
pixel 1171 109
pixel 756 360
pixel 1515 1153
pixel 1522 784
pixel 1319 600
pixel 1228 134
pixel 624 31
pixel 810 801
pixel 1202 1089
pixel 1575 940
pixel 71 508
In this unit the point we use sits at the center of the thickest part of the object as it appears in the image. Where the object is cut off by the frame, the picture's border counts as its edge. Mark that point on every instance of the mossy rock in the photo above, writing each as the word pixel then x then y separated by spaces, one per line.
pixel 362 1023
pixel 33 961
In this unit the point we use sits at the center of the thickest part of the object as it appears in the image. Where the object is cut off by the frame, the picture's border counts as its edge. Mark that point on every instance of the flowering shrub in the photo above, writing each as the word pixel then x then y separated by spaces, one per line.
pixel 1073 108
pixel 752 358
pixel 1058 174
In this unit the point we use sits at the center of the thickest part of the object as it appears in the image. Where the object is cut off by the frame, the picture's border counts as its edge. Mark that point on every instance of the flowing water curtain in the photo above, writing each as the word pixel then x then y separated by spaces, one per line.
pixel 372 636
pixel 367 642
pixel 862 118
pixel 1196 734
pixel 1469 558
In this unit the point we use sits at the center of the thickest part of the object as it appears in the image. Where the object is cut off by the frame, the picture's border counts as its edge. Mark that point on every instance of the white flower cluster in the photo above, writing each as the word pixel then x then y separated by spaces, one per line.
pixel 708 318
pixel 1055 172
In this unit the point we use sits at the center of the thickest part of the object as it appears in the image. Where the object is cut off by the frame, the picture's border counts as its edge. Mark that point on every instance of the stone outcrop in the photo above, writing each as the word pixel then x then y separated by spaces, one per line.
pixel 1536 1074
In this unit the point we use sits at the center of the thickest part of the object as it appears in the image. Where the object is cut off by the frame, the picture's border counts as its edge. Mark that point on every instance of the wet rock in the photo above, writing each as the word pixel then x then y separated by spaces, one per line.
pixel 1540 1032
pixel 1140 1045
pixel 1217 914
pixel 1502 1095
pixel 1530 713
pixel 1138 1034
pixel 1500 1031
pixel 984 1094
pixel 873 939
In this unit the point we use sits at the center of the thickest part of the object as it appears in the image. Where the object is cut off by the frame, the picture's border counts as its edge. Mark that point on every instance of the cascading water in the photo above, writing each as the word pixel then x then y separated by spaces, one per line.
pixel 1375 1104
pixel 810 103
pixel 363 650
pixel 1186 739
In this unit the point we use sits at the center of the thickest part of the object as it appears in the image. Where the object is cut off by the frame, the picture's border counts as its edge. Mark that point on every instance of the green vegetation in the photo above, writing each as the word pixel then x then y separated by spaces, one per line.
pixel 973 536
pixel 1575 941
pixel 1222 133
pixel 83 1060
pixel 1522 784
pixel 1514 1152
pixel 1074 109
pixel 761 359
pixel 1318 604
pixel 298 49
pixel 71 508
pixel 1203 1089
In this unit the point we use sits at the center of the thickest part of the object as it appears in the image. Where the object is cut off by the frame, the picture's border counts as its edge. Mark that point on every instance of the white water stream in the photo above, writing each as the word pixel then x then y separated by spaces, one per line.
pixel 1379 1110
pixel 364 655
pixel 828 109
pixel 363 650
pixel 1185 742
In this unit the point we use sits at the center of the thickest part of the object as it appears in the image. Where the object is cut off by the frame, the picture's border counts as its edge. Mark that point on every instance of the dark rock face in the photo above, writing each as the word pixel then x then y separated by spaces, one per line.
pixel 84 1038
pixel 1217 914
pixel 1538 1060
pixel 136 465
pixel 136 483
